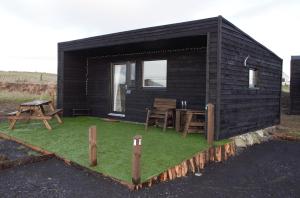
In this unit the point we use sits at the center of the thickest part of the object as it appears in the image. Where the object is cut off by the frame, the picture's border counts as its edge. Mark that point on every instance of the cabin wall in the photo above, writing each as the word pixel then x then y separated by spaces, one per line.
pixel 71 81
pixel 295 86
pixel 186 80
pixel 207 27
pixel 244 109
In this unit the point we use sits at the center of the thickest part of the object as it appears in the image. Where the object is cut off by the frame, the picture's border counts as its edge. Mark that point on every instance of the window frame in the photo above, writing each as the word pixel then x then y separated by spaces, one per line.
pixel 143 80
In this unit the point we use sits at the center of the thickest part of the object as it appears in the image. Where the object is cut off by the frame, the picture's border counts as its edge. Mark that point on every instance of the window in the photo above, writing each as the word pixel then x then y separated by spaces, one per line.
pixel 131 74
pixel 155 73
pixel 253 77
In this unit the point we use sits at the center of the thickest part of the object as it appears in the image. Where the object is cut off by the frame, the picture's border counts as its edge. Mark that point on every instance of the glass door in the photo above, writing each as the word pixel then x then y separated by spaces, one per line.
pixel 123 81
pixel 119 88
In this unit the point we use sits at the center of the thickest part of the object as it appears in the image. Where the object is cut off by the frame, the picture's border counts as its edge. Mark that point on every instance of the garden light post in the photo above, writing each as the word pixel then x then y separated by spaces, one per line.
pixel 136 159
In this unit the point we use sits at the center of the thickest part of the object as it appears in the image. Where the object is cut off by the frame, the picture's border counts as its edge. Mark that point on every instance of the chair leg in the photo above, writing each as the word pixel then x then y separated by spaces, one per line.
pixel 165 121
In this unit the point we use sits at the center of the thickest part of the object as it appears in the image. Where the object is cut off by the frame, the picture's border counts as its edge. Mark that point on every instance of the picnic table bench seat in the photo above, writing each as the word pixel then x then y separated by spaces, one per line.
pixel 52 113
pixel 15 112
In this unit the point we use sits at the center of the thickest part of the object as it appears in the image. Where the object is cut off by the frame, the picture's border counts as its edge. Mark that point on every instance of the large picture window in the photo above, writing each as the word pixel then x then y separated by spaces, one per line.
pixel 155 73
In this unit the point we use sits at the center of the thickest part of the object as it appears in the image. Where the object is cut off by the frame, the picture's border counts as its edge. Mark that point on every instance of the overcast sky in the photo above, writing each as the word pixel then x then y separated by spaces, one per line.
pixel 31 29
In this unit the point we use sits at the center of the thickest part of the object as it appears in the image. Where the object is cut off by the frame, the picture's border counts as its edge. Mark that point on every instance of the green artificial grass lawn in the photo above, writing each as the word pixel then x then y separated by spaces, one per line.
pixel 160 150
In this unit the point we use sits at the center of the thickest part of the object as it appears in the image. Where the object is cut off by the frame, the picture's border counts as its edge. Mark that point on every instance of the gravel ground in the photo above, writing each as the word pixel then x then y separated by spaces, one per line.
pixel 267 170
pixel 13 150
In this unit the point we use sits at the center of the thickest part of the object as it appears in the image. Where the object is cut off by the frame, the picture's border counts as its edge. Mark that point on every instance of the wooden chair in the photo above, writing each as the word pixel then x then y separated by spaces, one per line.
pixel 163 109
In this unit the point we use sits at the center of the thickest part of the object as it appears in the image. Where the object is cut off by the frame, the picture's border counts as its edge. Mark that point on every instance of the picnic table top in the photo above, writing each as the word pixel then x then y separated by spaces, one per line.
pixel 36 103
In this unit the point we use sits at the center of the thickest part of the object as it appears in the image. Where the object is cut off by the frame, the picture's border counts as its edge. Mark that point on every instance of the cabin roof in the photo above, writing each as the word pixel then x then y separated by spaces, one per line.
pixel 189 28
pixel 144 30
pixel 295 57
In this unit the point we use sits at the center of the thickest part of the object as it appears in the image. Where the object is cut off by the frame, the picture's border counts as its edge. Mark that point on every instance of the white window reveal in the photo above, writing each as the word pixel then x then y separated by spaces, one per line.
pixel 253 78
pixel 155 73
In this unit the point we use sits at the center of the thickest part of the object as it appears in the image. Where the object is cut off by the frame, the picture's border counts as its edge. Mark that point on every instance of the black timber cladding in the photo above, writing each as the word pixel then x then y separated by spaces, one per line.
pixel 295 85
pixel 182 84
pixel 210 64
pixel 244 109
pixel 194 28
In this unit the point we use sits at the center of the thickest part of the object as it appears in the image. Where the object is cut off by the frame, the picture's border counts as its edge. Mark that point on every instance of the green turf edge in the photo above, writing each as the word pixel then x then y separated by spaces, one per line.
pixel 144 179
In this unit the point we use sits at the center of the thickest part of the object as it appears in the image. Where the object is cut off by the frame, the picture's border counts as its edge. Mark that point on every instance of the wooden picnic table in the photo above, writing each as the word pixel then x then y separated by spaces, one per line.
pixel 35 110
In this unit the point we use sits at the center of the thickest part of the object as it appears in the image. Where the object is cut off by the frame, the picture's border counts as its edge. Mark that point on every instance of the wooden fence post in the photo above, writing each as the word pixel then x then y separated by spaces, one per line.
pixel 210 123
pixel 93 145
pixel 136 158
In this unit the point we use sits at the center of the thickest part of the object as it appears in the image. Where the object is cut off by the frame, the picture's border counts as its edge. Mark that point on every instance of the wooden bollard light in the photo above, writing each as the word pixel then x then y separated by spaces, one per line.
pixel 93 145
pixel 136 159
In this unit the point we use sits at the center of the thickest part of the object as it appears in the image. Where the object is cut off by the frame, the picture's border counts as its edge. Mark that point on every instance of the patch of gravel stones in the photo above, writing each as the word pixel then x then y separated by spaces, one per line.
pixel 251 138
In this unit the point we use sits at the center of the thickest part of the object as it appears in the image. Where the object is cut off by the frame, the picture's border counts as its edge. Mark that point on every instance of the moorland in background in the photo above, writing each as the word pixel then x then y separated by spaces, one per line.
pixel 17 87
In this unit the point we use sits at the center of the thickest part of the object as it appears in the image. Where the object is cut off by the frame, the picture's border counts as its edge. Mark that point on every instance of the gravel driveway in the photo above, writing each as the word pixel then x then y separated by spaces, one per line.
pixel 271 169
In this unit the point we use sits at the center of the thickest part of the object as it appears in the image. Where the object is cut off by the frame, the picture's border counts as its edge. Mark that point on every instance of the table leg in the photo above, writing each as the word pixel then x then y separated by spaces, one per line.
pixel 42 109
pixel 187 123
pixel 51 106
pixel 46 123
pixel 59 120
pixel 13 122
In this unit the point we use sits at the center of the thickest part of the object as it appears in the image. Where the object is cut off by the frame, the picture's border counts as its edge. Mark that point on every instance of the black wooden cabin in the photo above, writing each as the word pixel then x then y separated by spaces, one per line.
pixel 295 85
pixel 203 61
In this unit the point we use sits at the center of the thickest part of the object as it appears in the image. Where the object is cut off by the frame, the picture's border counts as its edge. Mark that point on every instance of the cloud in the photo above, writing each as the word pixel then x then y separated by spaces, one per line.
pixel 32 28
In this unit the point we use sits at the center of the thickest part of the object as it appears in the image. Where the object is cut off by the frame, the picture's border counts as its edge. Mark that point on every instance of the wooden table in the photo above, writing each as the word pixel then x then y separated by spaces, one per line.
pixel 35 110
pixel 184 120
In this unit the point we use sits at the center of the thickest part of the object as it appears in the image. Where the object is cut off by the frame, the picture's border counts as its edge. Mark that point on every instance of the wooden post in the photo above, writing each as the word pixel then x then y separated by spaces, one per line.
pixel 93 145
pixel 210 123
pixel 136 159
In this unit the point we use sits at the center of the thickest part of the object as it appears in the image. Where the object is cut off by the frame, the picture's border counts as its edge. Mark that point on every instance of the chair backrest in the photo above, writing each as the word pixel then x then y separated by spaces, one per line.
pixel 164 103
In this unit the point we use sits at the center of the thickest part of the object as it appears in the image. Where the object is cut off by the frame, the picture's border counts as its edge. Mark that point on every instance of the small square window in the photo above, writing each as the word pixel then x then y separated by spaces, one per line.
pixel 155 73
pixel 253 78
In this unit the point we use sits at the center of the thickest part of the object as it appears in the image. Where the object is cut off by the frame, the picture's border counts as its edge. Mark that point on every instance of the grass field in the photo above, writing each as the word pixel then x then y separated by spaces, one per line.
pixel 9 100
pixel 160 150
pixel 27 77
pixel 19 97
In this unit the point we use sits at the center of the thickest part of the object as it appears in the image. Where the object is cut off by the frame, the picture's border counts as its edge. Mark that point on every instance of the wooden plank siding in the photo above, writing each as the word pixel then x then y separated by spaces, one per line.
pixel 243 109
pixel 183 83
pixel 215 74
pixel 135 108
pixel 71 82
pixel 295 85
